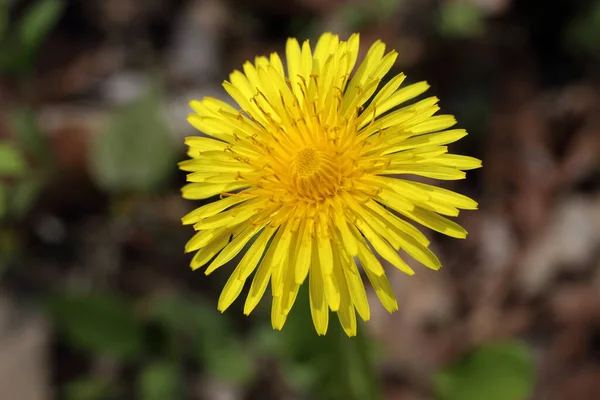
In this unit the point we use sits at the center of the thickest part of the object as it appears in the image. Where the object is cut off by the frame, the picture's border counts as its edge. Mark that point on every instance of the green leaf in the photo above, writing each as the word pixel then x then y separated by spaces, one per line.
pixel 23 196
pixel 39 19
pixel 160 380
pixel 11 162
pixel 135 152
pixel 89 389
pixel 216 344
pixel 460 19
pixel 14 60
pixel 189 316
pixel 2 201
pixel 226 359
pixel 29 136
pixel 496 371
pixel 101 323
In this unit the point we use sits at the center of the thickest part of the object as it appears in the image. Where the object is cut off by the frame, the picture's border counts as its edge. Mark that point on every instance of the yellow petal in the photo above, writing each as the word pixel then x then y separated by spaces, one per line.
pixel 434 124
pixel 457 161
pixel 233 248
pixel 276 63
pixel 403 95
pixel 429 140
pixel 277 316
pixel 213 208
pixel 235 215
pixel 346 313
pixel 429 171
pixel 332 291
pixel 347 238
pixel 382 247
pixel 322 48
pixel 214 165
pixel 398 223
pixel 318 306
pixel 356 288
pixel 353 47
pixel 203 238
pixel 230 292
pixel 436 222
pixel 199 191
pixel 306 61
pixel 375 108
pixel 303 252
pixel 368 259
pixel 444 195
pixel 205 144
pixel 325 255
pixel 261 279
pixel 368 65
pixel 254 254
pixel 206 253
pixel 383 290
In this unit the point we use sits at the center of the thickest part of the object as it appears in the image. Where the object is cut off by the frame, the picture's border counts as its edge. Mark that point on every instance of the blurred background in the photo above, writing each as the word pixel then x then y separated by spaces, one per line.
pixel 96 297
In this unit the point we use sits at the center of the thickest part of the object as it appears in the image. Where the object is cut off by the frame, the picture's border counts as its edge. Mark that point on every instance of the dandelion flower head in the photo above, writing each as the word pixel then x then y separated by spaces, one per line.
pixel 311 176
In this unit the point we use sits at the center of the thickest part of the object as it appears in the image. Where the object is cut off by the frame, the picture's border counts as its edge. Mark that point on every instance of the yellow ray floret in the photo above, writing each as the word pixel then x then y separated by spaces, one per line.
pixel 310 169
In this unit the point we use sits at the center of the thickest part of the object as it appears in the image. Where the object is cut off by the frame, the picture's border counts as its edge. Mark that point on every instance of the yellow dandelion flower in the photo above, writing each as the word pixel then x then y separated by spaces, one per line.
pixel 308 176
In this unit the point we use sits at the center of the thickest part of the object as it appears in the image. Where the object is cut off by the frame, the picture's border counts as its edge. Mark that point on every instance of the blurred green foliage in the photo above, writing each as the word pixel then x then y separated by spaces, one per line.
pixel 360 15
pixel 29 136
pixel 107 324
pixel 329 367
pixel 38 21
pixel 11 161
pixel 90 388
pixel 584 33
pixel 25 164
pixel 134 152
pixel 160 380
pixel 198 329
pixel 494 371
pixel 98 322
pixel 460 19
pixel 12 165
pixel 19 43
pixel 2 201
pixel 325 367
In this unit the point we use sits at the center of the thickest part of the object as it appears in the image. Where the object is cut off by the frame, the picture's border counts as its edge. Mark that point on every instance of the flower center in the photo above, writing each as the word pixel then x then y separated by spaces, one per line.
pixel 306 163
pixel 315 175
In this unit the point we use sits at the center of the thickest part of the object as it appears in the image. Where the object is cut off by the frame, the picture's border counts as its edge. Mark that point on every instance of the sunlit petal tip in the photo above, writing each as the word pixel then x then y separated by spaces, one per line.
pixel 188 250
pixel 350 333
pixel 186 221
pixel 188 140
pixel 194 104
pixel 321 332
pixel 209 271
pixel 312 169
pixel 183 165
pixel 436 267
